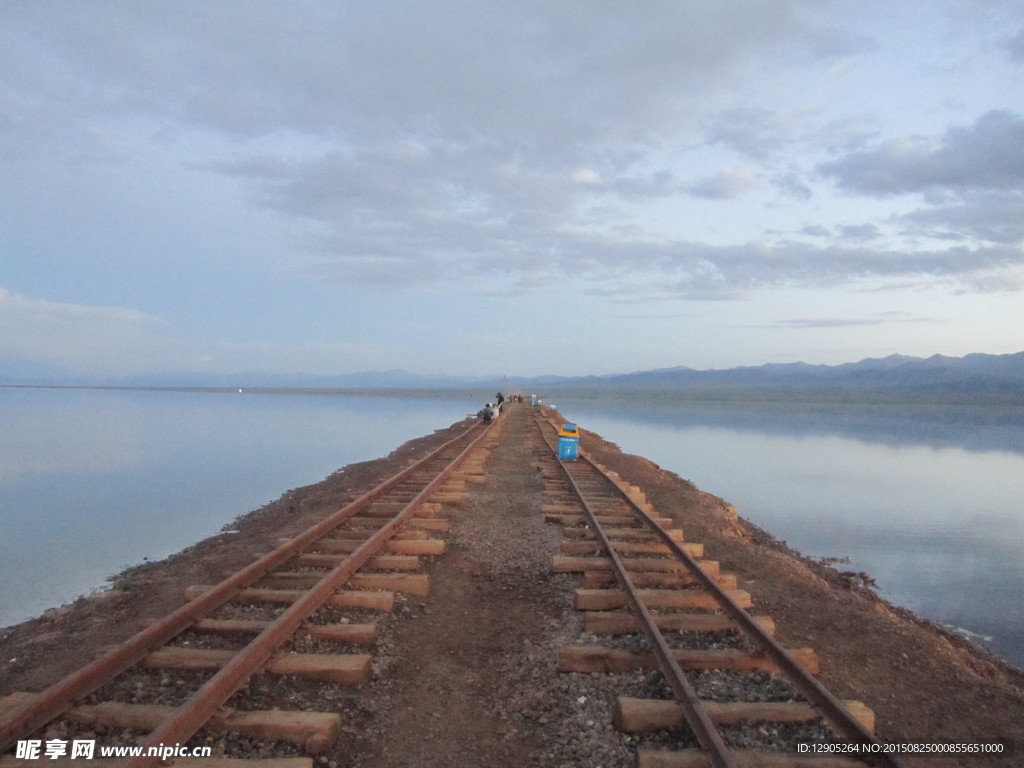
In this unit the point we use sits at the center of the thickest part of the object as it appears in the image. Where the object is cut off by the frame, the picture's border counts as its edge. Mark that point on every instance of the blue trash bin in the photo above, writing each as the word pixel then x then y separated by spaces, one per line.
pixel 569 442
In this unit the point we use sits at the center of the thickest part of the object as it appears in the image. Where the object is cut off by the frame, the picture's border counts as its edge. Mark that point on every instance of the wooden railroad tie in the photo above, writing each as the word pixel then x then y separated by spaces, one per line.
pixel 353 634
pixel 409 583
pixel 395 546
pixel 645 715
pixel 449 497
pixel 678 599
pixel 347 669
pixel 605 579
pixel 695 758
pixel 577 564
pixel 623 533
pixel 428 524
pixel 577 518
pixel 625 623
pixel 371 600
pixel 569 547
pixel 596 658
pixel 314 732
pixel 379 563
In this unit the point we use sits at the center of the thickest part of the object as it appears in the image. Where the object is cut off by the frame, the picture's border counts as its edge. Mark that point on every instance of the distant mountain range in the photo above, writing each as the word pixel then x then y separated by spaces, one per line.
pixel 972 377
pixel 975 377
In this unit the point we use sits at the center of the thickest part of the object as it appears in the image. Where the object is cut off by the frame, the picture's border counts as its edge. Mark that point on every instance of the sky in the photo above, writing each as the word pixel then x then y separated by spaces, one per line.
pixel 473 187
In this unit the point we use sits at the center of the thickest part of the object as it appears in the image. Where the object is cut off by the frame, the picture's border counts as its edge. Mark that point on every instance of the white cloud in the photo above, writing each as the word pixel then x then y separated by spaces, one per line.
pixel 880 318
pixel 414 146
pixel 47 339
pixel 986 155
pixel 752 131
pixel 372 70
pixel 1015 46
pixel 474 147
pixel 971 179
pixel 64 334
pixel 725 185
pixel 996 217
pixel 794 185
pixel 587 176
pixel 860 232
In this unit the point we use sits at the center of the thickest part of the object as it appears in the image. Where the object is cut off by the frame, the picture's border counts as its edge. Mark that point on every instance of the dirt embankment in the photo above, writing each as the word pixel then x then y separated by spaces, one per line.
pixel 924 683
pixel 38 652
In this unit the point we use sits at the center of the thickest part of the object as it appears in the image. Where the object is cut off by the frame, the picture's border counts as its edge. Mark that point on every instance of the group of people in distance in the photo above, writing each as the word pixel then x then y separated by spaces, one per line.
pixel 491 410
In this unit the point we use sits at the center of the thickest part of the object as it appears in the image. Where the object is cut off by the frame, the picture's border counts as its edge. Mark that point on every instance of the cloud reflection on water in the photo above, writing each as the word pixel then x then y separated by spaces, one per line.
pixel 926 500
pixel 94 481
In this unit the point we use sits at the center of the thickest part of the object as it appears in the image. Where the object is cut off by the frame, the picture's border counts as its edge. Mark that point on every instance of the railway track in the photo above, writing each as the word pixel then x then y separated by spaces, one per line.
pixel 265 661
pixel 729 694
pixel 295 614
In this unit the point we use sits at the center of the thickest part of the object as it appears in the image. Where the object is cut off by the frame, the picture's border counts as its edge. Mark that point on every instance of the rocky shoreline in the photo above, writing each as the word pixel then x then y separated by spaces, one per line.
pixel 923 682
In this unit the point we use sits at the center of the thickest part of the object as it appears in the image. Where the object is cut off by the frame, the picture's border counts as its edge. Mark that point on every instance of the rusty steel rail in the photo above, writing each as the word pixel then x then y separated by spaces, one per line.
pixel 193 714
pixel 53 701
pixel 707 734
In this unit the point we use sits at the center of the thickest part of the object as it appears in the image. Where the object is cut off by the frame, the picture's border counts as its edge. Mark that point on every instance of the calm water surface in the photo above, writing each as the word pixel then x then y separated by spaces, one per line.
pixel 92 481
pixel 929 502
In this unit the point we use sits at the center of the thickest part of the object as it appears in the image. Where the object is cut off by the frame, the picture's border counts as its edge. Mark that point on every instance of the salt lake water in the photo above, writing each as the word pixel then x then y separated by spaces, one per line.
pixel 93 481
pixel 930 502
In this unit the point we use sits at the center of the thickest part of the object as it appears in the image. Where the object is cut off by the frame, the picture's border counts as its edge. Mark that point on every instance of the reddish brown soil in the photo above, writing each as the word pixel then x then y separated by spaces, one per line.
pixel 40 651
pixel 445 701
pixel 464 686
pixel 924 683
